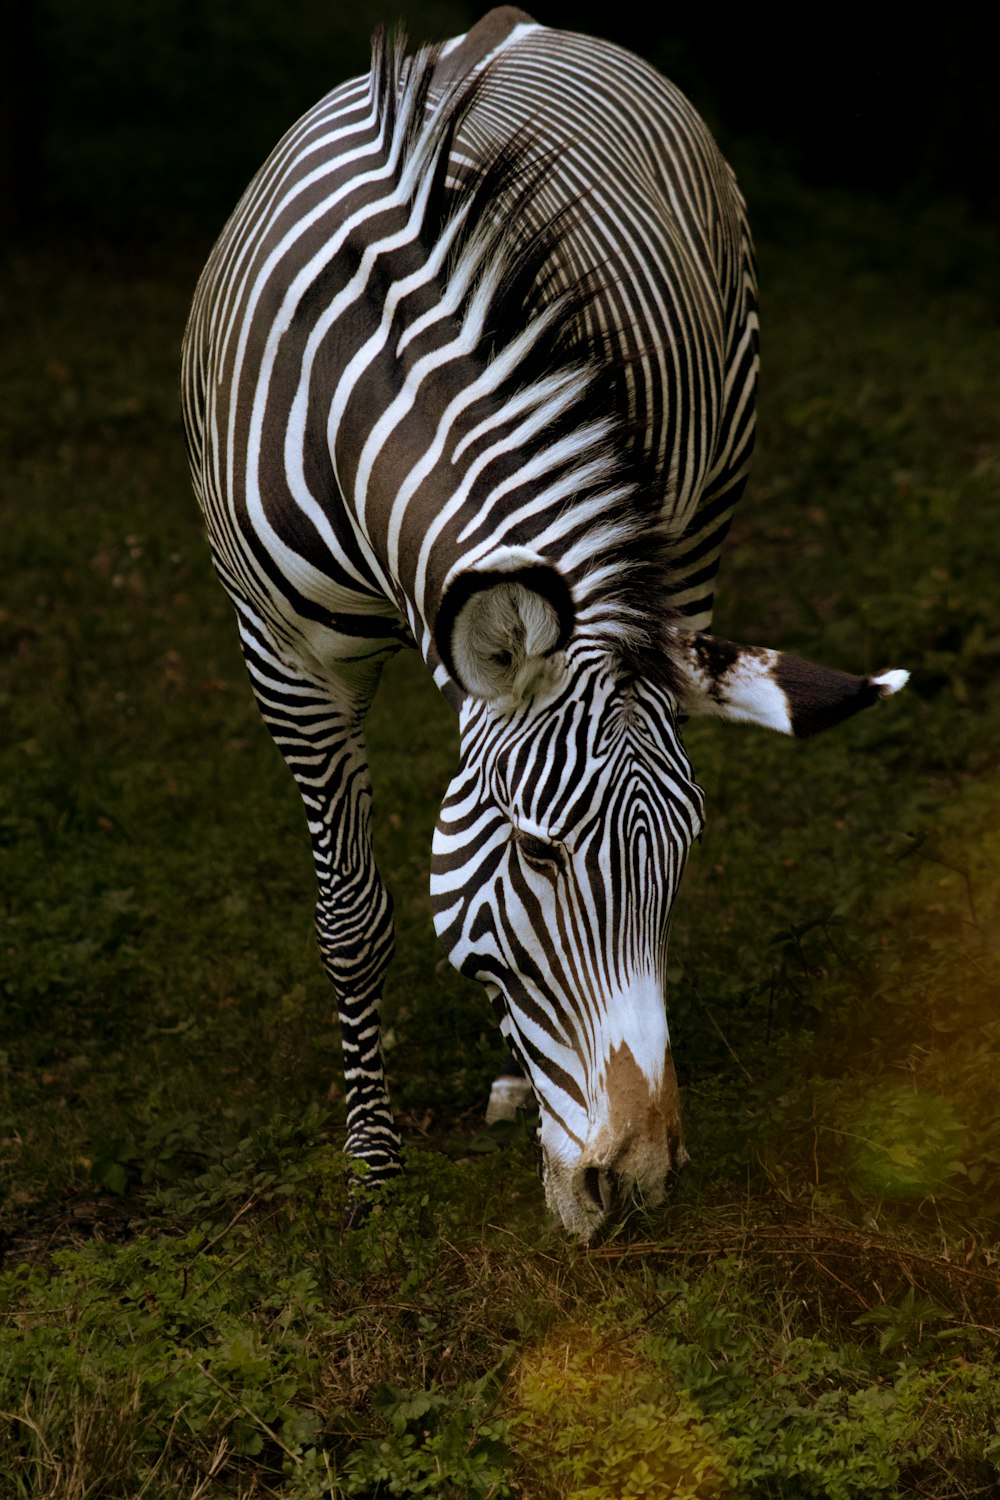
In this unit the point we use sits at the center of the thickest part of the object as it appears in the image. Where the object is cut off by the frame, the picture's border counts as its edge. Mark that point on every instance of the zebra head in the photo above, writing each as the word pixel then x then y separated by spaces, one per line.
pixel 560 848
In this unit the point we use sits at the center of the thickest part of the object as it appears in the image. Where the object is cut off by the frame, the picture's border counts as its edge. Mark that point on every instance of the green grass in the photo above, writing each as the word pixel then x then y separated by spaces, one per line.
pixel 814 1311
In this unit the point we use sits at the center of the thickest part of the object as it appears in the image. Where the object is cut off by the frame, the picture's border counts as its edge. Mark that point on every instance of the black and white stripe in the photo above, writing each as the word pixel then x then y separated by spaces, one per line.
pixel 472 367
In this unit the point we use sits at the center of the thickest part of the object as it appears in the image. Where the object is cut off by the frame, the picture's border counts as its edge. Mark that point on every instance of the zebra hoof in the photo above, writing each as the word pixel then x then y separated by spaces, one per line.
pixel 507 1096
pixel 357 1212
pixel 364 1191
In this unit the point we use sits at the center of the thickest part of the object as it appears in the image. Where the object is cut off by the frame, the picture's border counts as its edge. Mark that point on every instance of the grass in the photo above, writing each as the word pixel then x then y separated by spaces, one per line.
pixel 815 1310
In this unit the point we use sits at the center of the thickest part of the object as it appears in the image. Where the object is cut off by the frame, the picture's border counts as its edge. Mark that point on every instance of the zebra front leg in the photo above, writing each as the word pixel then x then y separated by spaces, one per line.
pixel 316 722
pixel 355 932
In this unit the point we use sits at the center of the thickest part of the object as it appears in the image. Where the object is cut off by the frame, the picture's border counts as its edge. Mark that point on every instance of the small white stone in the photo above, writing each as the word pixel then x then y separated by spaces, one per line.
pixel 507 1096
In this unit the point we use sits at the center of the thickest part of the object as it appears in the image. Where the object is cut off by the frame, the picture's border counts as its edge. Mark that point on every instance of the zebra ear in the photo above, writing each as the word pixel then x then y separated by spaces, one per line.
pixel 769 688
pixel 501 622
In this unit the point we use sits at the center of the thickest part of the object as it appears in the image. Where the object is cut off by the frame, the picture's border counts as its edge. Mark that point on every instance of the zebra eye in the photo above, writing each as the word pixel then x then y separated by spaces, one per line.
pixel 538 852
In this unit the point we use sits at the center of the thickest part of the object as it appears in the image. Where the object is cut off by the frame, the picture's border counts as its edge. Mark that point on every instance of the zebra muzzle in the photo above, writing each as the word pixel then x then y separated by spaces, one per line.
pixel 634 1145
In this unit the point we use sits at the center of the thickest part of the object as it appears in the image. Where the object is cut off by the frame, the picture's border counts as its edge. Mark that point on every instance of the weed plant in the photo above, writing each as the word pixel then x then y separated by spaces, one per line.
pixel 814 1312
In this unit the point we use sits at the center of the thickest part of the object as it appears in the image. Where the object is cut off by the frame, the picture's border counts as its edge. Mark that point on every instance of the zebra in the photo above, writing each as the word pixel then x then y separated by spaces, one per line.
pixel 472 368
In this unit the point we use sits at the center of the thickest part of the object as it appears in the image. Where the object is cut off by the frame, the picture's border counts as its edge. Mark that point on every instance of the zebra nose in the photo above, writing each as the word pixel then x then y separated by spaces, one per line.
pixel 601 1187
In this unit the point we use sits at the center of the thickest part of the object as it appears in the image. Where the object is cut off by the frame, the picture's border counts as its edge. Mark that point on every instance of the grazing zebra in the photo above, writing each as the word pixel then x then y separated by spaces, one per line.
pixel 472 368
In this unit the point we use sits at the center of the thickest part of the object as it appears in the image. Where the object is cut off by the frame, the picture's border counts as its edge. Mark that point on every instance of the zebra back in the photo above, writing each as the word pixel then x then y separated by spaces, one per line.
pixel 654 225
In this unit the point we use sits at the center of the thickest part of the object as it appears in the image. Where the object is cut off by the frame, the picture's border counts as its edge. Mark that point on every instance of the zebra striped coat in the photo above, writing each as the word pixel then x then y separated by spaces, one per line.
pixel 472 367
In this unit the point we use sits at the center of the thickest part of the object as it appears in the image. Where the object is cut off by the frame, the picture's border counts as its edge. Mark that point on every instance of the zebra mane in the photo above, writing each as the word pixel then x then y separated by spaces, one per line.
pixel 597 518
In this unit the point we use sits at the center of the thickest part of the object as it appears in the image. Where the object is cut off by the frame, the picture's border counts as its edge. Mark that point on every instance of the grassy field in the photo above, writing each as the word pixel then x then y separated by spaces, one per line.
pixel 814 1311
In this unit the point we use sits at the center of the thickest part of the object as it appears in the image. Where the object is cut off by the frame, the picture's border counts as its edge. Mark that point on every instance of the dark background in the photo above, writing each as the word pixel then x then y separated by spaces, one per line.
pixel 143 122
